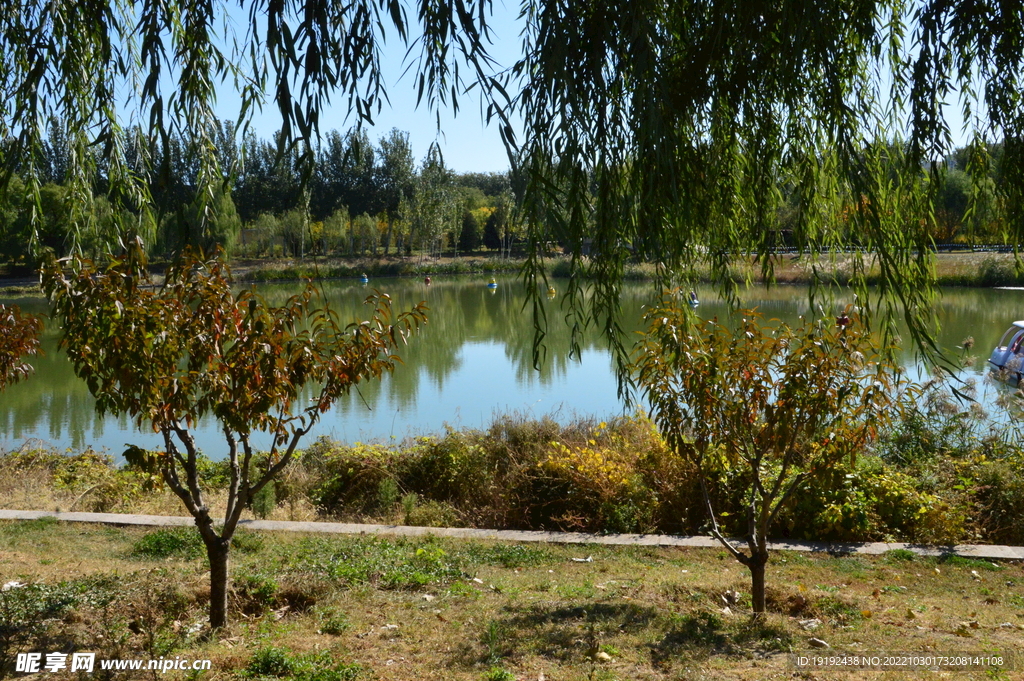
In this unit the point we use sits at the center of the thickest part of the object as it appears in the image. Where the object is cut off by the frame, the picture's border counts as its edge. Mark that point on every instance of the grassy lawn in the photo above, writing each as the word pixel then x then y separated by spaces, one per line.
pixel 328 608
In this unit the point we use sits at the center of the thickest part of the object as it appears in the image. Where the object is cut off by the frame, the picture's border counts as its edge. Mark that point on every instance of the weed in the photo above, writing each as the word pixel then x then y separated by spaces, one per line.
pixel 463 590
pixel 697 630
pixel 837 610
pixel 498 674
pixel 247 542
pixel 179 542
pixel 970 563
pixel 495 640
pixel 333 622
pixel 265 501
pixel 255 592
pixel 397 564
pixel 848 565
pixel 897 556
pixel 31 613
pixel 510 555
pixel 280 663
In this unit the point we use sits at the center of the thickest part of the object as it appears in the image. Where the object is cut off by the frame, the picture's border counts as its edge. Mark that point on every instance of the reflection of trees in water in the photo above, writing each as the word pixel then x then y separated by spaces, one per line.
pixel 462 310
pixel 53 402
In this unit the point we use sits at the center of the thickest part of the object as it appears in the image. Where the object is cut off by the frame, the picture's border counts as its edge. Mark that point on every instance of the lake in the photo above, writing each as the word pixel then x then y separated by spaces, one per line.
pixel 471 362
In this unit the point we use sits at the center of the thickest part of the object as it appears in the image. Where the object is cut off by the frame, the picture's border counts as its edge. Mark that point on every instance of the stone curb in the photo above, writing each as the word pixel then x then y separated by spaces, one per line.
pixel 986 551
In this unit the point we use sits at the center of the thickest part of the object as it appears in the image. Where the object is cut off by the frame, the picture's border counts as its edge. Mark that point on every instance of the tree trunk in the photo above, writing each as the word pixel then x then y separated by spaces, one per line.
pixel 757 564
pixel 217 552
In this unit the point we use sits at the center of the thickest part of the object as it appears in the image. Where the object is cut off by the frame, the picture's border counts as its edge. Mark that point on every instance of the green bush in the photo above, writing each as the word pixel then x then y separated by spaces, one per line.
pixel 179 542
pixel 255 592
pixel 1000 496
pixel 30 616
pixel 265 501
pixel 388 564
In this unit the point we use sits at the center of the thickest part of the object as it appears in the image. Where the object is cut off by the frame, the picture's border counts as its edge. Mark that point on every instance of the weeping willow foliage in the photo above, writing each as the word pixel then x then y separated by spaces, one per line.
pixel 658 130
pixel 125 77
pixel 671 131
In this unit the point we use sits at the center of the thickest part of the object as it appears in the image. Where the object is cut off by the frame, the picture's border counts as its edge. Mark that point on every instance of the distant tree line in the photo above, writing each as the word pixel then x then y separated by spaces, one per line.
pixel 373 199
pixel 363 198
pixel 969 207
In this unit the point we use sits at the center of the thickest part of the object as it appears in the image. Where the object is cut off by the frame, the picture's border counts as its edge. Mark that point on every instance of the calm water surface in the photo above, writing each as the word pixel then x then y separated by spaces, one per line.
pixel 471 362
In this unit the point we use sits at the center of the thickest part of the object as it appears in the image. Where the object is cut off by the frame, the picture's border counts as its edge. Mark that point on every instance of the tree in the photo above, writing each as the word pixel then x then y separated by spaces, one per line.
pixel 193 349
pixel 397 178
pixel 775 402
pixel 19 336
pixel 436 204
pixel 951 206
pixel 469 237
pixel 347 175
pixel 494 227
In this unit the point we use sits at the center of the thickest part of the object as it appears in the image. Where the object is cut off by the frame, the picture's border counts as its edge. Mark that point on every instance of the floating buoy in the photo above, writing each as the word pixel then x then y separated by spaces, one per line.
pixel 493 283
pixel 364 279
pixel 693 299
pixel 551 290
pixel 426 280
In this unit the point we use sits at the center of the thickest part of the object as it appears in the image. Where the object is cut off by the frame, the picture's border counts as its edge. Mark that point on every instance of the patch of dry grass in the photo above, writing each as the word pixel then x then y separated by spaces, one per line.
pixel 428 609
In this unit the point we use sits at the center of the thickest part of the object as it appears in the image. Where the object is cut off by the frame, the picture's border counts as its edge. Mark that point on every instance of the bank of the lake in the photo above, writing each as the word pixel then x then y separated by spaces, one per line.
pixel 939 475
pixel 964 268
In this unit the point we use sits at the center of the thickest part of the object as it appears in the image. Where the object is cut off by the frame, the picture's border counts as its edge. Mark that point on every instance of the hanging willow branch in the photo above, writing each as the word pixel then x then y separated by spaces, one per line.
pixel 656 131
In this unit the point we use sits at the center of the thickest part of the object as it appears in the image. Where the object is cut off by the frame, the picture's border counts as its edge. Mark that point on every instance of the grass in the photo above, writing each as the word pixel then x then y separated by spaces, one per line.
pixel 337 608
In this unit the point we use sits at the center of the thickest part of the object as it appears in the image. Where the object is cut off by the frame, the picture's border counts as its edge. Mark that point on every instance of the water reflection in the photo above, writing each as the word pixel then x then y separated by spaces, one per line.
pixel 473 359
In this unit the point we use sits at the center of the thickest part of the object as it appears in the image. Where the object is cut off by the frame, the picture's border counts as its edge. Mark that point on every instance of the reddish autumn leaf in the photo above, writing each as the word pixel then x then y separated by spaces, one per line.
pixel 19 337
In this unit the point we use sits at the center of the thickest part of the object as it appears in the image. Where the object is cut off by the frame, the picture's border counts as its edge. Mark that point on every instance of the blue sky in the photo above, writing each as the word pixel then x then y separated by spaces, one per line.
pixel 468 145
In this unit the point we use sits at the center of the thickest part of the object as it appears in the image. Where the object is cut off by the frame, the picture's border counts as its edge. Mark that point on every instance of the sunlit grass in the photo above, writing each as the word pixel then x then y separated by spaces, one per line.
pixel 405 609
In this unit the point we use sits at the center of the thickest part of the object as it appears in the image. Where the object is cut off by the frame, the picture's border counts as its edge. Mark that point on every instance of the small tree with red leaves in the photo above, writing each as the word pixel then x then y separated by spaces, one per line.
pixel 193 349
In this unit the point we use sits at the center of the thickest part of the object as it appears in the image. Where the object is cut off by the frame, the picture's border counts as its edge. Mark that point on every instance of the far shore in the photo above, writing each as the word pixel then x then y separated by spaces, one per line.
pixel 972 269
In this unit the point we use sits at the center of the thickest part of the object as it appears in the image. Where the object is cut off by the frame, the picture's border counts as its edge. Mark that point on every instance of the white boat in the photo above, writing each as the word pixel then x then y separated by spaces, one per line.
pixel 1007 358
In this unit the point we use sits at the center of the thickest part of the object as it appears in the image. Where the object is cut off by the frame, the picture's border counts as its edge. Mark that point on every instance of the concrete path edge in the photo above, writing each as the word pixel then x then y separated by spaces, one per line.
pixel 983 551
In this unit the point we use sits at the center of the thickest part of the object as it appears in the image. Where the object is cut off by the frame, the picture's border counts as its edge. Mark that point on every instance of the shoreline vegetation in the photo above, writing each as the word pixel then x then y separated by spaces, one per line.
pixel 968 269
pixel 980 269
pixel 942 475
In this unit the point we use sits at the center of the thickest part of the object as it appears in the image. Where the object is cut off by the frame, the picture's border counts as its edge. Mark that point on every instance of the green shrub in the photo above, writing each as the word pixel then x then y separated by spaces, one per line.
pixel 247 542
pixel 265 501
pixel 255 592
pixel 318 666
pixel 387 494
pixel 1000 499
pixel 386 563
pixel 180 542
pixel 897 556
